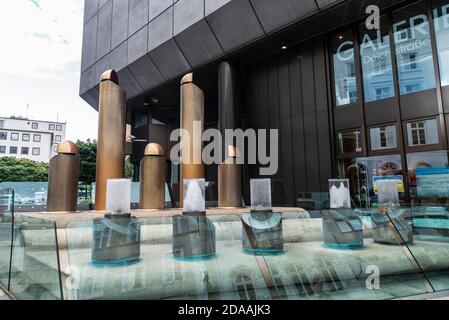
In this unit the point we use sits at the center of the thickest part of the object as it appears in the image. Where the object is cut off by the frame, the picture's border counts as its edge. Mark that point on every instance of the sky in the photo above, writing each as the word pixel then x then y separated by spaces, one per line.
pixel 40 57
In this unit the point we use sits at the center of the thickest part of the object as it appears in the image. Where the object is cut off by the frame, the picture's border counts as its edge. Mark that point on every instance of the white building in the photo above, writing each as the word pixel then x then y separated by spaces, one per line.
pixel 31 139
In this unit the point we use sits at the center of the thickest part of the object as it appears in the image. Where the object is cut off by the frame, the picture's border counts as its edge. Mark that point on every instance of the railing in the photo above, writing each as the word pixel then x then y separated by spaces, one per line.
pixel 29 261
pixel 337 254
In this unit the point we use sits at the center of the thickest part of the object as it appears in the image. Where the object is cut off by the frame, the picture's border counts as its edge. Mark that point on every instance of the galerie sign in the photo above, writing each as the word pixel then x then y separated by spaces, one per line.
pixel 410 35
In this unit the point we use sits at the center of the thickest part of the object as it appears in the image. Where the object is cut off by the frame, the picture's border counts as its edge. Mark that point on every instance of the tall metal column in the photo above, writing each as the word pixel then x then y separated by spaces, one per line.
pixel 192 110
pixel 229 172
pixel 63 174
pixel 111 135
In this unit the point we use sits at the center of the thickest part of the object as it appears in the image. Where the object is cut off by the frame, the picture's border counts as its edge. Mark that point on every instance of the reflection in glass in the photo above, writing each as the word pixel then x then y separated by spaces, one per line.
pixel 349 142
pixel 383 137
pixel 342 229
pixel 422 133
pixel 344 69
pixel 441 22
pixel 413 49
pixel 428 175
pixel 393 226
pixel 116 240
pixel 375 57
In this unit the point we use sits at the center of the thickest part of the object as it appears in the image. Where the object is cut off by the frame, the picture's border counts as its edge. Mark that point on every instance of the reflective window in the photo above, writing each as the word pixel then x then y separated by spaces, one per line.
pixel 14 136
pixel 51 127
pixel 422 132
pixel 3 135
pixel 34 125
pixel 36 151
pixel 25 137
pixel 58 138
pixel 25 150
pixel 37 138
pixel 58 127
pixel 344 69
pixel 13 150
pixel 2 149
pixel 413 49
pixel 349 141
pixel 383 137
pixel 441 22
pixel 375 57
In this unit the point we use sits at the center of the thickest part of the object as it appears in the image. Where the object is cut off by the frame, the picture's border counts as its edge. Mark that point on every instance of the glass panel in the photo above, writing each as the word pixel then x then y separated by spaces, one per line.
pixel 383 138
pixel 413 49
pixel 35 268
pixel 344 69
pixel 336 257
pixel 441 22
pixel 363 173
pixel 231 274
pixel 375 56
pixel 428 176
pixel 349 142
pixel 6 230
pixel 431 245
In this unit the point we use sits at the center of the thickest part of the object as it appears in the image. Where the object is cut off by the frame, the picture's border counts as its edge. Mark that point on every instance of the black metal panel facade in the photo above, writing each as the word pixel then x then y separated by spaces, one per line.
pixel 288 91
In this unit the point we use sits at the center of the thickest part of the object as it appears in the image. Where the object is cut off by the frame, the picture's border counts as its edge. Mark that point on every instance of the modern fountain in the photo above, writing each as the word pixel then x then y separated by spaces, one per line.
pixel 193 233
pixel 262 228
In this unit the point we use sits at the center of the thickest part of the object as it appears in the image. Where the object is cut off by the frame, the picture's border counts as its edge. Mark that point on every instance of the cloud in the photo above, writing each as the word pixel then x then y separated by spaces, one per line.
pixel 42 37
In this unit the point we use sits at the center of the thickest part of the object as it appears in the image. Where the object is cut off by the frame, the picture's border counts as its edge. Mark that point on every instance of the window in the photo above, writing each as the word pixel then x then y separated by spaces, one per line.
pixel 25 150
pixel 422 133
pixel 345 84
pixel 245 287
pixel 375 55
pixel 25 137
pixel 349 142
pixel 58 127
pixel 383 138
pixel 2 149
pixel 383 93
pixel 13 150
pixel 441 22
pixel 3 135
pixel 413 48
pixel 37 138
pixel 34 125
pixel 415 87
pixel 409 61
pixel 2 124
pixel 57 138
pixel 51 127
pixel 14 137
pixel 36 151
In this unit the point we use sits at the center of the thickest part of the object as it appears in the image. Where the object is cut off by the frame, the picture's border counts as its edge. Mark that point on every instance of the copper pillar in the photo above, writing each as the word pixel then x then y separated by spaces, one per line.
pixel 63 174
pixel 192 109
pixel 152 178
pixel 111 135
pixel 229 181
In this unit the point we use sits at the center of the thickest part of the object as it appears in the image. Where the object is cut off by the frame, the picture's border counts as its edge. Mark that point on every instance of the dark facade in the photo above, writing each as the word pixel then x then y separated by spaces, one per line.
pixel 348 102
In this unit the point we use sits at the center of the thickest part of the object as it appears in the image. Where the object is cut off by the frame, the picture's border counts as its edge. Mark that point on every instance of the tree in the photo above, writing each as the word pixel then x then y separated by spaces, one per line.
pixel 88 159
pixel 22 170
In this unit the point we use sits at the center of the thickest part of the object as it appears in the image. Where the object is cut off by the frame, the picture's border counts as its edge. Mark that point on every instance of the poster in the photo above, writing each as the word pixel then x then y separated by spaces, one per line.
pixel 432 182
pixel 399 179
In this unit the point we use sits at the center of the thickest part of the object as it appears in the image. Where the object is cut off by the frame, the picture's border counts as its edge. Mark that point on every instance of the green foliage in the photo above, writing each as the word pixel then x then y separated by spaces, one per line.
pixel 88 159
pixel 22 170
pixel 129 168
